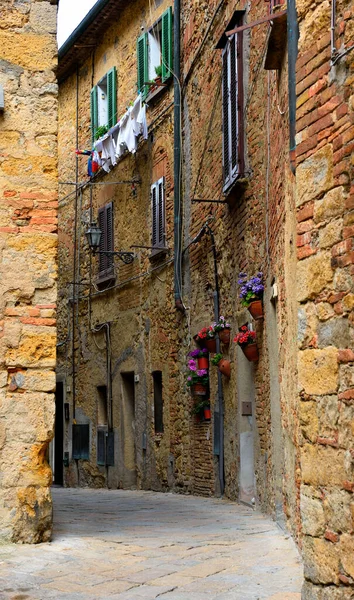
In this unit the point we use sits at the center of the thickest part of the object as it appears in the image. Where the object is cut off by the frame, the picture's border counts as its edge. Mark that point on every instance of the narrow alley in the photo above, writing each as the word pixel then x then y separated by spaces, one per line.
pixel 135 545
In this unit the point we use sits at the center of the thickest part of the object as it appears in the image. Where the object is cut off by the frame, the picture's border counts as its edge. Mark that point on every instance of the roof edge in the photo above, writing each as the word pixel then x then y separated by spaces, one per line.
pixel 81 28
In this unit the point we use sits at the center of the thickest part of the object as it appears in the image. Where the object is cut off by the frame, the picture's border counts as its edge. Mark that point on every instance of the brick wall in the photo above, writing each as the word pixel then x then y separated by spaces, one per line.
pixel 28 267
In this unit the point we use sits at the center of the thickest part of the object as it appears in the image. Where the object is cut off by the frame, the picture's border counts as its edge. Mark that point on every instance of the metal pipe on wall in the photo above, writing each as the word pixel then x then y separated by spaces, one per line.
pixel 177 157
pixel 75 294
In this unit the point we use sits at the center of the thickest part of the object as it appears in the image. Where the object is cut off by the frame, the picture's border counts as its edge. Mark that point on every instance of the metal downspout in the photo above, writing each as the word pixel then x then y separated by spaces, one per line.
pixel 216 295
pixel 177 157
pixel 75 290
pixel 293 36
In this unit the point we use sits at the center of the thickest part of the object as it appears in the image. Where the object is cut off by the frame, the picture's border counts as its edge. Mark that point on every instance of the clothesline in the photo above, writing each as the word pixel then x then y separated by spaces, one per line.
pixel 123 136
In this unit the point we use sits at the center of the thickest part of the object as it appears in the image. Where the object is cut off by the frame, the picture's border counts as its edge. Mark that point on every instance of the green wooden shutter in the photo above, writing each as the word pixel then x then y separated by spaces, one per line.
pixel 112 96
pixel 94 112
pixel 166 46
pixel 142 63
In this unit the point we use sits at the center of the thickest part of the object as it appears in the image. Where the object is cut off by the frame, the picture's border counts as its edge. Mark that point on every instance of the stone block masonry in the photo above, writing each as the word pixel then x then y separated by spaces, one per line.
pixel 28 266
pixel 325 217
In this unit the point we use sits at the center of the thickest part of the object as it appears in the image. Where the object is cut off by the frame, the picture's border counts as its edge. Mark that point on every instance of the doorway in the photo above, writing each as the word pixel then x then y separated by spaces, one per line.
pixel 246 395
pixel 127 428
pixel 58 475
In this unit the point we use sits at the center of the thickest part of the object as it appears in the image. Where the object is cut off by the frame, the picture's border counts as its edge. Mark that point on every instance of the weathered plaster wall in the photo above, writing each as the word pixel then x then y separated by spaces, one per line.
pixel 324 201
pixel 28 266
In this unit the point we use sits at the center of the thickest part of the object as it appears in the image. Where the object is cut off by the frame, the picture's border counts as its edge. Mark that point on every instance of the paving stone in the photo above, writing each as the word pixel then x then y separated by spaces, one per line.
pixel 130 545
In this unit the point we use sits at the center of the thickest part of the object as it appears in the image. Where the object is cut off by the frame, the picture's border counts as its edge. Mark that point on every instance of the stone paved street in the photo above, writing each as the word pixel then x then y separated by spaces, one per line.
pixel 131 545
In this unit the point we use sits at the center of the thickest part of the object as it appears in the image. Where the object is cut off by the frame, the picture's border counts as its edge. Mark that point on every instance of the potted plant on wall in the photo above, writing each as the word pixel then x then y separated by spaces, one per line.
pixel 223 329
pixel 252 293
pixel 202 408
pixel 246 339
pixel 202 356
pixel 198 379
pixel 205 338
pixel 223 364
pixel 158 78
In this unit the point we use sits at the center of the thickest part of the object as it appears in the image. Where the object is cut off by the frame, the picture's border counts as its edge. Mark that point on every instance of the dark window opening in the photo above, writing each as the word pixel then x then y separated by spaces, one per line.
pixel 81 442
pixel 158 401
pixel 102 405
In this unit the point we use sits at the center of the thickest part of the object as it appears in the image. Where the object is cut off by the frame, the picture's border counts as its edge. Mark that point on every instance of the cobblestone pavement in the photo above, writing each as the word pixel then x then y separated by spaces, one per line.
pixel 130 545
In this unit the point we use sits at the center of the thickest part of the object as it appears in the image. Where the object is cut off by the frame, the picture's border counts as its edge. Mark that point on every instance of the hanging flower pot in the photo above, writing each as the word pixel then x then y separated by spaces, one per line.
pixel 251 352
pixel 210 345
pixel 256 309
pixel 225 367
pixel 203 362
pixel 198 389
pixel 224 336
pixel 207 413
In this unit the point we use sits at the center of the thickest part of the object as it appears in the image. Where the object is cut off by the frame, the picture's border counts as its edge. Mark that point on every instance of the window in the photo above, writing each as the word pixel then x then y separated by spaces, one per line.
pixel 105 223
pixel 105 447
pixel 81 442
pixel 104 103
pixel 158 402
pixel 154 49
pixel 158 214
pixel 102 413
pixel 232 106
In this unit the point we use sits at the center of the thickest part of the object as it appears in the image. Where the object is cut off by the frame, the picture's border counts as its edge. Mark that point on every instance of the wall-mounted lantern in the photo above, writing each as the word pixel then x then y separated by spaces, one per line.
pixel 93 235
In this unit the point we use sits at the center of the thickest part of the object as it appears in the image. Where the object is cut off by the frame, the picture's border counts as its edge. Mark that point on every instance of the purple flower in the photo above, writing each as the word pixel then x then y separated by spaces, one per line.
pixel 201 372
pixel 189 378
pixel 204 350
pixel 192 365
pixel 194 353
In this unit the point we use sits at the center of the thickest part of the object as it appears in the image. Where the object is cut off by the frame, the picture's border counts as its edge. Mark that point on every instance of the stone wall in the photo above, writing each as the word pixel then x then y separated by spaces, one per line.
pixel 28 266
pixel 325 202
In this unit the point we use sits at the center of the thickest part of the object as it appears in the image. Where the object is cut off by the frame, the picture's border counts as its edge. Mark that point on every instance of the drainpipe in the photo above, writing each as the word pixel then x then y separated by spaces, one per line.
pixel 177 157
pixel 293 37
pixel 216 295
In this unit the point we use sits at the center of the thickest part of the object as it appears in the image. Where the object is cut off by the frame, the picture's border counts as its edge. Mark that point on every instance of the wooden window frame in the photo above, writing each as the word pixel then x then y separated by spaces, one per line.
pixel 233 110
pixel 166 49
pixel 110 81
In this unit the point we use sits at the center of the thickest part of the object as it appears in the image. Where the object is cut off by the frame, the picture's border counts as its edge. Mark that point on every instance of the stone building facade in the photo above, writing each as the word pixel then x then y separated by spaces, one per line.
pixel 281 433
pixel 28 265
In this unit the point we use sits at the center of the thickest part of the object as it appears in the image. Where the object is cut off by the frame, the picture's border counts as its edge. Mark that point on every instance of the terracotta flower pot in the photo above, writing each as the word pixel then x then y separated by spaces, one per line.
pixel 207 413
pixel 251 352
pixel 203 362
pixel 224 336
pixel 256 309
pixel 225 367
pixel 210 345
pixel 198 389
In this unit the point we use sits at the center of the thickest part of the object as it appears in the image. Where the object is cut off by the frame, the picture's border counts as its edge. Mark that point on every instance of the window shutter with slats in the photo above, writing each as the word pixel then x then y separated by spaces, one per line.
pixel 143 63
pixel 166 44
pixel 94 113
pixel 158 214
pixel 112 96
pixel 105 223
pixel 232 108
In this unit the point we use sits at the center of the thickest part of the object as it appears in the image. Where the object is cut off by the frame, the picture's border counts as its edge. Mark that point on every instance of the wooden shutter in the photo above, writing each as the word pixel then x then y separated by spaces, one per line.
pixel 112 96
pixel 142 63
pixel 110 449
pixel 158 213
pixel 94 113
pixel 166 44
pixel 106 225
pixel 233 131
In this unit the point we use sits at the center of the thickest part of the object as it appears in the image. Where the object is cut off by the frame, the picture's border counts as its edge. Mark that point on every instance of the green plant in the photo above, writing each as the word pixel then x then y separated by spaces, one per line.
pixel 216 359
pixel 220 325
pixel 251 289
pixel 101 131
pixel 246 336
pixel 199 406
pixel 158 70
pixel 197 375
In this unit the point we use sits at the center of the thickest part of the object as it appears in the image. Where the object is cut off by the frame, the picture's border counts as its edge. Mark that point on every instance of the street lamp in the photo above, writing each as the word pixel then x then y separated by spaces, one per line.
pixel 93 235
